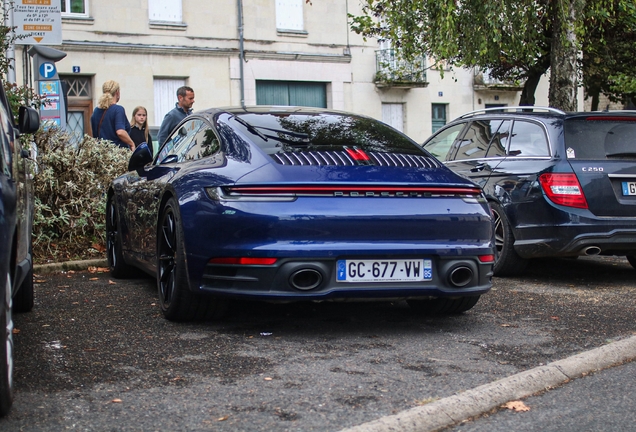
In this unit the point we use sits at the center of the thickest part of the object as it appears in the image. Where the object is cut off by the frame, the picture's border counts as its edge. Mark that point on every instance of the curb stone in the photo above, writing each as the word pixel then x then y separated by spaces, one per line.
pixel 454 409
pixel 69 265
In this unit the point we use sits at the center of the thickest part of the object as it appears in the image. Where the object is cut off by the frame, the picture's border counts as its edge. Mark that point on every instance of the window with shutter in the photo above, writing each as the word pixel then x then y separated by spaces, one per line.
pixel 165 10
pixel 289 15
pixel 393 114
pixel 291 93
pixel 165 96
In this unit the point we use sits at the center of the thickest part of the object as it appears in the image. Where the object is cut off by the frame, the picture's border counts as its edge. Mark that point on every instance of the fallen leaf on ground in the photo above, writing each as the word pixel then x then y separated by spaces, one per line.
pixel 556 318
pixel 40 281
pixel 93 279
pixel 223 418
pixel 110 282
pixel 16 331
pixel 116 400
pixel 268 379
pixel 516 406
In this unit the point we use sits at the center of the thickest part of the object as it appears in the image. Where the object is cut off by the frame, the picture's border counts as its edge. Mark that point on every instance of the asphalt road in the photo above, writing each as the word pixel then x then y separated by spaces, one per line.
pixel 96 354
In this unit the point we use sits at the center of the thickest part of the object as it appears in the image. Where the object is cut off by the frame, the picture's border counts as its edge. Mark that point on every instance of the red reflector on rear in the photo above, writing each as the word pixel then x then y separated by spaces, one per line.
pixel 486 258
pixel 243 261
pixel 563 189
pixel 357 154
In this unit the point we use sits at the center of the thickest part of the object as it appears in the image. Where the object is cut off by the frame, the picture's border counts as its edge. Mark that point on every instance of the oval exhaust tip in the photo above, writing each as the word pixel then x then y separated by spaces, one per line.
pixel 305 279
pixel 460 276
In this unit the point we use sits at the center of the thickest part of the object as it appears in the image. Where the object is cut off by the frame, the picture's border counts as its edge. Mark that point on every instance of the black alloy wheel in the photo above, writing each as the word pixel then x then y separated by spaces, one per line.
pixel 507 262
pixel 167 253
pixel 178 302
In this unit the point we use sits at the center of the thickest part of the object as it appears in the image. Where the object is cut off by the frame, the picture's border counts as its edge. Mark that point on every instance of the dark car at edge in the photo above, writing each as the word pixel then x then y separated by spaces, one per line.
pixel 16 220
pixel 559 184
pixel 296 204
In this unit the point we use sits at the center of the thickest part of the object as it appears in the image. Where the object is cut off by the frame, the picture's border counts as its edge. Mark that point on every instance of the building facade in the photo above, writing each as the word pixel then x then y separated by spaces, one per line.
pixel 249 52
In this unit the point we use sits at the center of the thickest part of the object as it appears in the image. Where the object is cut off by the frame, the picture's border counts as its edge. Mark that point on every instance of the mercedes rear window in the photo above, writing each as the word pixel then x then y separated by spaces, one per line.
pixel 597 137
pixel 285 132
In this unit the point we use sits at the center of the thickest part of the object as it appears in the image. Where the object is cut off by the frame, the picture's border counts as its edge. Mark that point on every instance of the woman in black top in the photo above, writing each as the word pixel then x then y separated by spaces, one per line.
pixel 139 127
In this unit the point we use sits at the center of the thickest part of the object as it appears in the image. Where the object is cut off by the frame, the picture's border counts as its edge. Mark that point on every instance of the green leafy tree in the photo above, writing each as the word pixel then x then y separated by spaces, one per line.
pixel 517 40
pixel 608 61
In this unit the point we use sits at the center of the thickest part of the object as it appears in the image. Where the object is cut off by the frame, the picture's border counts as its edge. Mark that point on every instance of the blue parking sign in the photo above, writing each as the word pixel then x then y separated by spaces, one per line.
pixel 48 70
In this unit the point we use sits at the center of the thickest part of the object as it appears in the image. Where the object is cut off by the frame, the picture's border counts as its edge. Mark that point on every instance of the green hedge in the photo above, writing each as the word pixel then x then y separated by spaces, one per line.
pixel 70 185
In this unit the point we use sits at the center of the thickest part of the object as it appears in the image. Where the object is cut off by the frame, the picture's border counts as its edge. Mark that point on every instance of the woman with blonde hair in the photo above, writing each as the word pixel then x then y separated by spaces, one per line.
pixel 139 127
pixel 109 120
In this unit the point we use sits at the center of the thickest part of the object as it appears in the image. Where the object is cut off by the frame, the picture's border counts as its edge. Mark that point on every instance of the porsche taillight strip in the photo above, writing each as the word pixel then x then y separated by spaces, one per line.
pixel 349 191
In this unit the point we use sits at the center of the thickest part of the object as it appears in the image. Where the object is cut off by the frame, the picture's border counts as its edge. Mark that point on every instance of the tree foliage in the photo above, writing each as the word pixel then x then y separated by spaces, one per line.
pixel 608 61
pixel 516 40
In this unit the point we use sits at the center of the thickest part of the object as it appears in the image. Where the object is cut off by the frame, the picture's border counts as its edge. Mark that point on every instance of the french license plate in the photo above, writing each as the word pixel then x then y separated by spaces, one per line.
pixel 389 270
pixel 629 188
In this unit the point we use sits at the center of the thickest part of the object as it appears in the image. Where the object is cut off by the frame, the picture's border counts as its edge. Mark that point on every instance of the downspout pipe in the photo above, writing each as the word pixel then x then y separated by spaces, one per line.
pixel 241 52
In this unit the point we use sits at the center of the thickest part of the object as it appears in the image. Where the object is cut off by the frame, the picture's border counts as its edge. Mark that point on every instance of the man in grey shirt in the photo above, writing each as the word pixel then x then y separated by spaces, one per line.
pixel 183 108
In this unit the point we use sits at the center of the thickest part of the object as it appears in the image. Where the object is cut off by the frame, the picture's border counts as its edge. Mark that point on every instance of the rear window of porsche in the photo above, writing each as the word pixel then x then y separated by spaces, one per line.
pixel 324 132
pixel 600 137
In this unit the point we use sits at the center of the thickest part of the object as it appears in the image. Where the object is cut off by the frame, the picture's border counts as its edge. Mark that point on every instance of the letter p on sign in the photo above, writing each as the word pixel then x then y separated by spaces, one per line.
pixel 47 70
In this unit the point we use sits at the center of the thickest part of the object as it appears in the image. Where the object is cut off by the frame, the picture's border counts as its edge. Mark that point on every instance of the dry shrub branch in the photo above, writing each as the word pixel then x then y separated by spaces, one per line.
pixel 70 187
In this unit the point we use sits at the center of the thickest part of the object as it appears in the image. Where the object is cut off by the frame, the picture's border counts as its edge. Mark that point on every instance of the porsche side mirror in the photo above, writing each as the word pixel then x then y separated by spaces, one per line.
pixel 140 157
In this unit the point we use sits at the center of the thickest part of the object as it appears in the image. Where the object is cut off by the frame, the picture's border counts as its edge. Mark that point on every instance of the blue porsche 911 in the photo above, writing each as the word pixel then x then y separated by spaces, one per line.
pixel 297 204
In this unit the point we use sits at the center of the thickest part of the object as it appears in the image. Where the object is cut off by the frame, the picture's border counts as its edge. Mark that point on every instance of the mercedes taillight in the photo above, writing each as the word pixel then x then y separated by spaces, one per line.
pixel 563 189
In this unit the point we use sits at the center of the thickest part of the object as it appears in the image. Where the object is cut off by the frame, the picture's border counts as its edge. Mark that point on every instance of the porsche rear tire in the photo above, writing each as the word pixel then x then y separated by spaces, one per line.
pixel 443 305
pixel 118 267
pixel 178 302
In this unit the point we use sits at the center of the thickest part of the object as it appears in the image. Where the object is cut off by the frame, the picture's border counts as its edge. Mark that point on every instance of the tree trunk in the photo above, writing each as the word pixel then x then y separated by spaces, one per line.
pixel 532 81
pixel 595 101
pixel 563 62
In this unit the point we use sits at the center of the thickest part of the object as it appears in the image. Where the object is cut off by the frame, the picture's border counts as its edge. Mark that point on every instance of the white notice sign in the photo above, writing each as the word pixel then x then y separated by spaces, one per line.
pixel 38 22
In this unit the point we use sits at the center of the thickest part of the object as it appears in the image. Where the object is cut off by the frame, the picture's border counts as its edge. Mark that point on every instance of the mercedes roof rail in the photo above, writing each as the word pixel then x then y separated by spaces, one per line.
pixel 528 108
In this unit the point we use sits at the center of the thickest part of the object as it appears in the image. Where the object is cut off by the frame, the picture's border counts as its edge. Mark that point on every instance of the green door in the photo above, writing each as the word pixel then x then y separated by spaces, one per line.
pixel 291 93
pixel 438 116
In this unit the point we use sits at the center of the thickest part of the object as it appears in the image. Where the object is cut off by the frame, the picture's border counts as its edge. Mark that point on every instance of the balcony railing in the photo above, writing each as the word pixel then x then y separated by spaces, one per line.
pixel 483 81
pixel 391 71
